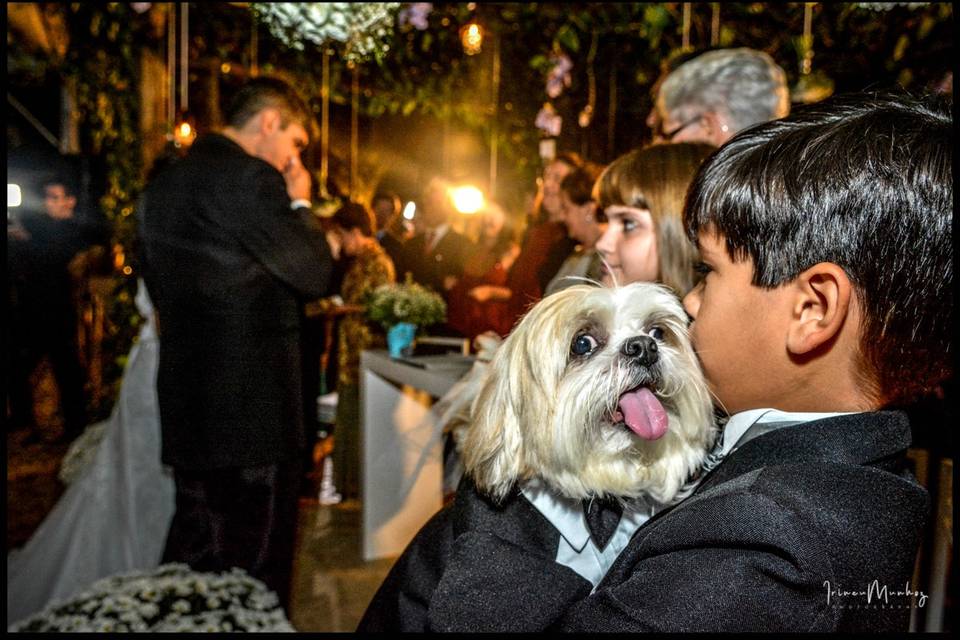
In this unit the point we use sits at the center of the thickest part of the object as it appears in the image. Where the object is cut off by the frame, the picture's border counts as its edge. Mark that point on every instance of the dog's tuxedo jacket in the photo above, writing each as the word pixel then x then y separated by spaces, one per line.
pixel 770 540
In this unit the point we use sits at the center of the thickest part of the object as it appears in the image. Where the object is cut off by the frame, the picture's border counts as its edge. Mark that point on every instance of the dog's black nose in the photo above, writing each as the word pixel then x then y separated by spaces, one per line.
pixel 643 348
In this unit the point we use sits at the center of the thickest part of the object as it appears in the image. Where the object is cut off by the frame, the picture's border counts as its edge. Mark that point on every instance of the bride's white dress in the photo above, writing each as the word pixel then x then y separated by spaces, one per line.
pixel 114 516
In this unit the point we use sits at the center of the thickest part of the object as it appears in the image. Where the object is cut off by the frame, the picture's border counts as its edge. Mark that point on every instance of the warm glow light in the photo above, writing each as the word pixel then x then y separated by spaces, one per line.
pixel 471 37
pixel 225 67
pixel 409 210
pixel 13 195
pixel 184 133
pixel 467 199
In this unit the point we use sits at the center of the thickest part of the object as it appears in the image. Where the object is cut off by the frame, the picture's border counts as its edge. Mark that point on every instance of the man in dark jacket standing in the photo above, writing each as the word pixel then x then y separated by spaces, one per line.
pixel 230 252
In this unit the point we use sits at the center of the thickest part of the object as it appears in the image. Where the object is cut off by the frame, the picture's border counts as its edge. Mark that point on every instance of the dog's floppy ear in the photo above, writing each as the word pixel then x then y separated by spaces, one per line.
pixel 518 394
pixel 493 448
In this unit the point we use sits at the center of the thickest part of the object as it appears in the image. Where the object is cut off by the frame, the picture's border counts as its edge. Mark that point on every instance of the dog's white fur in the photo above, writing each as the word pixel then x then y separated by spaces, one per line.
pixel 545 412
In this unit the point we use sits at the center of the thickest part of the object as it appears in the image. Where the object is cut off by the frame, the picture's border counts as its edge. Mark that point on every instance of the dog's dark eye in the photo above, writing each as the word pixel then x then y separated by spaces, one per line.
pixel 656 333
pixel 583 345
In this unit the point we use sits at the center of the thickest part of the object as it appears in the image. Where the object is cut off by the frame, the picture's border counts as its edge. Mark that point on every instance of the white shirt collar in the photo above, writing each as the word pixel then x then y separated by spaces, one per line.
pixel 576 549
pixel 739 423
pixel 438 232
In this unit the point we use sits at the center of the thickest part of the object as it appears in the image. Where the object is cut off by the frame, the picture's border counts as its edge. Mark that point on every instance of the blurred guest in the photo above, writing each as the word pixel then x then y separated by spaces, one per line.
pixel 43 313
pixel 641 194
pixel 434 256
pixel 584 225
pixel 718 93
pixel 369 268
pixel 392 229
pixel 487 263
pixel 545 245
pixel 230 253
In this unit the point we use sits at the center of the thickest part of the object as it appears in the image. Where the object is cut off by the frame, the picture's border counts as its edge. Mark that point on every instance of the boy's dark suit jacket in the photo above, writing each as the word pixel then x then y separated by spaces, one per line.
pixel 789 514
pixel 429 269
pixel 227 263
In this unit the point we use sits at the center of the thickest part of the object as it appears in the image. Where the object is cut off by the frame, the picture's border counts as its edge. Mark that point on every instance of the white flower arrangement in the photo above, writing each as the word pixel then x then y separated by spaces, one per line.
pixel 390 304
pixel 169 598
pixel 364 27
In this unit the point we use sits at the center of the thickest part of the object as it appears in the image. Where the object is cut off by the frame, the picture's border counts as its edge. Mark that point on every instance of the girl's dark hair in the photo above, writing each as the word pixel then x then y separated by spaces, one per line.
pixel 863 181
pixel 578 184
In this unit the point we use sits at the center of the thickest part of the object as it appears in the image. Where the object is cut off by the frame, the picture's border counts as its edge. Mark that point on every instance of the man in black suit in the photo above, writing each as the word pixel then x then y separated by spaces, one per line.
pixel 816 319
pixel 43 310
pixel 435 255
pixel 230 251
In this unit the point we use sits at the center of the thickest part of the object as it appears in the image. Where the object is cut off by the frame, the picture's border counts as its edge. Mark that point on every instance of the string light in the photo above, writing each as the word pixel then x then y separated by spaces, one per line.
pixel 471 37
pixel 185 132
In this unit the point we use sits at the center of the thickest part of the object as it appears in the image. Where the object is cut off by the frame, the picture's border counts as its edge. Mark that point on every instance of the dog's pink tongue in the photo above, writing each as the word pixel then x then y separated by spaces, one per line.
pixel 643 413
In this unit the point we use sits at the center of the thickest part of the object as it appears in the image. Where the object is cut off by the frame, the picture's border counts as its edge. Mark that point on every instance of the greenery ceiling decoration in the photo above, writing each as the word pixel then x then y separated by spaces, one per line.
pixel 362 27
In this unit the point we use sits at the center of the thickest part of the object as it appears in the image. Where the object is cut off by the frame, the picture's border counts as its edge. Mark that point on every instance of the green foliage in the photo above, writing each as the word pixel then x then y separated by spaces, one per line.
pixel 390 304
pixel 103 60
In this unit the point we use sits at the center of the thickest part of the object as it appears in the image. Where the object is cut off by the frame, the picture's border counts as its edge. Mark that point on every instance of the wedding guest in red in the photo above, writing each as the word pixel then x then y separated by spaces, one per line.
pixel 545 246
pixel 487 263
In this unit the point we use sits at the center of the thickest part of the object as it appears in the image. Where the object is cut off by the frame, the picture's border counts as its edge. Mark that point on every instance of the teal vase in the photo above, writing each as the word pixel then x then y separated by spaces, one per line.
pixel 399 338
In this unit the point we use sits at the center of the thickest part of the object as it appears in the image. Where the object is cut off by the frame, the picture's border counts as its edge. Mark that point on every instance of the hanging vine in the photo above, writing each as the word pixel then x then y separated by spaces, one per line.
pixel 103 61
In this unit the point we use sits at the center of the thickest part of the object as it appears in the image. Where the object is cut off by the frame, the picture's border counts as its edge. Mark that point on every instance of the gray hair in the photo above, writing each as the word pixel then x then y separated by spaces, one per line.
pixel 745 85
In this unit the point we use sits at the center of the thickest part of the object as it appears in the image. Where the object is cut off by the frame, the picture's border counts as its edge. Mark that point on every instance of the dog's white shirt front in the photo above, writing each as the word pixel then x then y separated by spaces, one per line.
pixel 576 549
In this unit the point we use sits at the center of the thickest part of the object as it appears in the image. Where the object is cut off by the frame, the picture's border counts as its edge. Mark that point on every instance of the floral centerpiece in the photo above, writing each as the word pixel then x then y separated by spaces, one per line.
pixel 170 598
pixel 401 308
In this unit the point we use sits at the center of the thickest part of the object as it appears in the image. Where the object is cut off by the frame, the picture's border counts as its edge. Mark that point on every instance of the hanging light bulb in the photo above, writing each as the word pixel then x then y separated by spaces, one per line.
pixel 812 86
pixel 471 37
pixel 184 131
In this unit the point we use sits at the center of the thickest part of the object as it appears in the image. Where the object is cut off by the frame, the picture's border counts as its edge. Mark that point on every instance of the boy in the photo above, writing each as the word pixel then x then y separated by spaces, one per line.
pixel 827 300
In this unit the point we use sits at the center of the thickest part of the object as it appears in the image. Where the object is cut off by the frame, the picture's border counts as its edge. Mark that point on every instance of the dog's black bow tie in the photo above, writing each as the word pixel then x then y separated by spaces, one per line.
pixel 603 516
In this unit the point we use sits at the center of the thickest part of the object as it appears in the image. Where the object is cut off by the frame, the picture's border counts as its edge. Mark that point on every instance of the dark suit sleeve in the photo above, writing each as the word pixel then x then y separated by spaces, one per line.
pixel 401 602
pixel 713 571
pixel 256 211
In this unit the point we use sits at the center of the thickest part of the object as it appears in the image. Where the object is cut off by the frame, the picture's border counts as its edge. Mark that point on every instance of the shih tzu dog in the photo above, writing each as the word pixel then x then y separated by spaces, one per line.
pixel 596 392
pixel 595 399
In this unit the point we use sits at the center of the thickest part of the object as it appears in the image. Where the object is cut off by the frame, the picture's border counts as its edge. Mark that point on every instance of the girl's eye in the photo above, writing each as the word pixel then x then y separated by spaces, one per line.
pixel 656 333
pixel 629 225
pixel 583 345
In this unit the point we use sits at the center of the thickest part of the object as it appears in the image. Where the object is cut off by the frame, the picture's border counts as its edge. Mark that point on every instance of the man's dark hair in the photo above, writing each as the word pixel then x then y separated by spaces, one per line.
pixel 353 215
pixel 262 92
pixel 863 181
pixel 69 184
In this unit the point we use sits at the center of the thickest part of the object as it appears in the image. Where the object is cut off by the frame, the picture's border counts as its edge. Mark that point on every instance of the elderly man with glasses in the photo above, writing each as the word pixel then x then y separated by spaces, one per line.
pixel 718 93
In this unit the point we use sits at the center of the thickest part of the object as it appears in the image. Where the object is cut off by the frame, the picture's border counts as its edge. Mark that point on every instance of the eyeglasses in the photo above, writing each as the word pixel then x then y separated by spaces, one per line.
pixel 667 136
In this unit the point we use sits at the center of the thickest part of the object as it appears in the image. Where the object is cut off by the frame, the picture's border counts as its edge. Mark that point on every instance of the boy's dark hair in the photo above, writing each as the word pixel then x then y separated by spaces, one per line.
pixel 262 92
pixel 863 181
pixel 353 215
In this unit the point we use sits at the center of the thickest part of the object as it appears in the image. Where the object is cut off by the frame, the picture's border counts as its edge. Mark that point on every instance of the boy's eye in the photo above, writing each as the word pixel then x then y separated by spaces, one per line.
pixel 702 268
pixel 583 345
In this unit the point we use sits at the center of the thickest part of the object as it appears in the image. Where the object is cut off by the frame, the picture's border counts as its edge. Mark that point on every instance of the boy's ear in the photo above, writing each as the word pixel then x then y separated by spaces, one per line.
pixel 821 306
